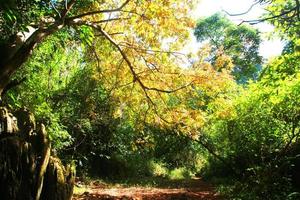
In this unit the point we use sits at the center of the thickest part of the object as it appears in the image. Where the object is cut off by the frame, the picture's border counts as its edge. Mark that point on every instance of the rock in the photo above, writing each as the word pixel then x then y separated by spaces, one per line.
pixel 26 167
pixel 17 167
pixel 8 123
pixel 59 181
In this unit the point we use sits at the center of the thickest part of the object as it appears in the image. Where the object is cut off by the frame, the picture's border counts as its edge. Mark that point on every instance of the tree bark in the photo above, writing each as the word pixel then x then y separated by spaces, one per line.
pixel 16 52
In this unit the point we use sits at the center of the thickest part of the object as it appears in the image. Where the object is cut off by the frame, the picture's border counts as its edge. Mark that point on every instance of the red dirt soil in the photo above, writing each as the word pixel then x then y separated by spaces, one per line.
pixel 191 190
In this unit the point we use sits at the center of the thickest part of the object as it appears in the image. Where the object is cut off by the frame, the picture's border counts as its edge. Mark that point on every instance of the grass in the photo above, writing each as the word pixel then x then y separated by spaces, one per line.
pixel 80 190
pixel 150 182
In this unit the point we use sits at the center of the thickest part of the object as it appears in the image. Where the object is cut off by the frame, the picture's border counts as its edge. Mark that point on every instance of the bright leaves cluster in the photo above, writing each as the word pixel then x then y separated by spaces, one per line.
pixel 151 34
pixel 133 51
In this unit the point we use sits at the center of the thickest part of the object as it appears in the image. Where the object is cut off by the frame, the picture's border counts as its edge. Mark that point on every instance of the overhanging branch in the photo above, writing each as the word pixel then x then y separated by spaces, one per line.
pixel 68 7
pixel 287 15
pixel 256 21
pixel 131 67
pixel 243 13
pixel 100 11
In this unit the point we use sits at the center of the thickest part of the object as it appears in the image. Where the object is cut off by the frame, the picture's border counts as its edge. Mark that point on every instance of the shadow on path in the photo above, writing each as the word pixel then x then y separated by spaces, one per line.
pixel 179 190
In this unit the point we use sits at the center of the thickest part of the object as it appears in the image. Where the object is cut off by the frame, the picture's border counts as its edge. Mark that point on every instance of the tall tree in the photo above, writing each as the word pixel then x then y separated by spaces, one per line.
pixel 240 43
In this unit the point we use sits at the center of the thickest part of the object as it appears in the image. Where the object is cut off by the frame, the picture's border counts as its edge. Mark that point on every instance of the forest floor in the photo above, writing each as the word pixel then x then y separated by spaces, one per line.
pixel 191 189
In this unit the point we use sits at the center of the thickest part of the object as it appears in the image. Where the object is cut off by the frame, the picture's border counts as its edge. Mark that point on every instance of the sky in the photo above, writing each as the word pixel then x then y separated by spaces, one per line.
pixel 268 48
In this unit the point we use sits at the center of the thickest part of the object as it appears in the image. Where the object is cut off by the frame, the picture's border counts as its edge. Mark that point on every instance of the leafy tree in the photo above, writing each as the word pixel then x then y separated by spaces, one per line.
pixel 284 15
pixel 135 29
pixel 256 129
pixel 280 68
pixel 49 70
pixel 85 93
pixel 259 137
pixel 240 43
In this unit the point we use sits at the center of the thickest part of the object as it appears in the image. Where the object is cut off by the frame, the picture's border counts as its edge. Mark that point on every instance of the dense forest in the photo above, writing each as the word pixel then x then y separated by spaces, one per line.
pixel 103 87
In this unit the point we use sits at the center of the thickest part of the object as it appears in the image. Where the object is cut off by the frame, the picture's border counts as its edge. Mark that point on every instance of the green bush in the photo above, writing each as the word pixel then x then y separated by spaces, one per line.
pixel 257 139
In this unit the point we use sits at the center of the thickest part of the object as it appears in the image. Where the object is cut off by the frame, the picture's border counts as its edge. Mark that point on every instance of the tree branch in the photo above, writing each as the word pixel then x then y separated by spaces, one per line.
pixel 138 49
pixel 55 9
pixel 295 9
pixel 110 19
pixel 100 11
pixel 243 13
pixel 169 91
pixel 68 7
pixel 256 21
pixel 66 4
pixel 298 9
pixel 129 64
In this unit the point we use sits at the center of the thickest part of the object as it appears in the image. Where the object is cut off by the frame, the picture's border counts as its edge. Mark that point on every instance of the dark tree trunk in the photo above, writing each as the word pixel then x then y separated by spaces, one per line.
pixel 15 53
pixel 26 168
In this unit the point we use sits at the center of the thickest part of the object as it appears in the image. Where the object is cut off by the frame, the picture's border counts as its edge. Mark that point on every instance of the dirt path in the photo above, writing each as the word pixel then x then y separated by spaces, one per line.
pixel 187 190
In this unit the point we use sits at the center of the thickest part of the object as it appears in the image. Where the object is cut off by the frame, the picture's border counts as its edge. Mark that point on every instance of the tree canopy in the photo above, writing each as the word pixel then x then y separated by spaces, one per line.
pixel 127 26
pixel 239 42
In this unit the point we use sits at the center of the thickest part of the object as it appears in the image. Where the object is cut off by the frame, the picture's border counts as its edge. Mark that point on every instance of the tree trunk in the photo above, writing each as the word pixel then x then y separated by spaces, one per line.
pixel 14 60
pixel 16 52
pixel 25 161
pixel 26 167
